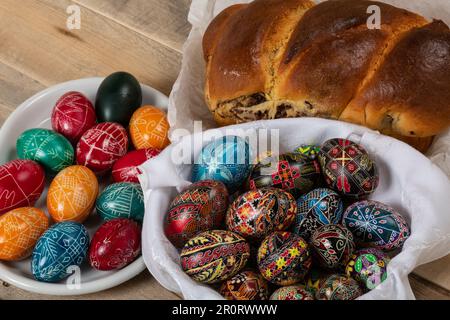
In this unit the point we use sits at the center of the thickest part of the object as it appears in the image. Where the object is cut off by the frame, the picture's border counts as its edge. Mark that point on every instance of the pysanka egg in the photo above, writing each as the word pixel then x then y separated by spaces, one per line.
pixel 227 159
pixel 61 247
pixel 348 168
pixel 293 172
pixel 284 258
pixel 214 256
pixel 20 229
pixel 50 149
pixel 71 195
pixel 375 224
pixel 126 168
pixel 115 244
pixel 297 292
pixel 339 287
pixel 101 146
pixel 257 213
pixel 317 208
pixel 121 200
pixel 199 208
pixel 21 184
pixel 149 128
pixel 246 285
pixel 309 150
pixel 73 115
pixel 368 266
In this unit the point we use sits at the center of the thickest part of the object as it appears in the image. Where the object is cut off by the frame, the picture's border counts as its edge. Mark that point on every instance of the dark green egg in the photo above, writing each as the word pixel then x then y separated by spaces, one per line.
pixel 118 96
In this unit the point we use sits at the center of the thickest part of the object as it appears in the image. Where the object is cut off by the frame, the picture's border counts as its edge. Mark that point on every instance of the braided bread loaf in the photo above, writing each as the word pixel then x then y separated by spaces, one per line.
pixel 290 58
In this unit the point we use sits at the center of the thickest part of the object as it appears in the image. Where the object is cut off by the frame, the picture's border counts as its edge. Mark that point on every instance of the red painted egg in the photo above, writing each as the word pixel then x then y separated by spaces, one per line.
pixel 73 115
pixel 101 146
pixel 115 244
pixel 125 169
pixel 21 184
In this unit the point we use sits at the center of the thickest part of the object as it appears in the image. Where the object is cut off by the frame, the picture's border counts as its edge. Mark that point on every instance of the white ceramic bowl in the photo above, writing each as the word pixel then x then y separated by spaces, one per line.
pixel 34 113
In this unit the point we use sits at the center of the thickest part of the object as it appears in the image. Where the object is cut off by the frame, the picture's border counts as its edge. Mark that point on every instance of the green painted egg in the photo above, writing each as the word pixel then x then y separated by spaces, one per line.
pixel 51 149
pixel 121 200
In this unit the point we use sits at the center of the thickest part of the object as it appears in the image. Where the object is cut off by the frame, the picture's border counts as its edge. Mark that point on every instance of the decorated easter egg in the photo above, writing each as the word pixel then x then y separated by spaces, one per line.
pixel 214 256
pixel 317 208
pixel 315 279
pixel 368 266
pixel 375 224
pixel 149 128
pixel 73 115
pixel 309 150
pixel 283 258
pixel 339 287
pixel 21 184
pixel 257 213
pixel 115 244
pixel 293 172
pixel 71 195
pixel 246 285
pixel 227 159
pixel 101 146
pixel 297 292
pixel 121 200
pixel 199 208
pixel 48 148
pixel 348 168
pixel 63 246
pixel 118 96
pixel 126 168
pixel 20 229
pixel 332 246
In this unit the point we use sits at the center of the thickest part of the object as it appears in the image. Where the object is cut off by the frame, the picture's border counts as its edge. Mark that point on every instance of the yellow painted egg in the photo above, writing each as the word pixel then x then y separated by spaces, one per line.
pixel 149 128
pixel 71 195
pixel 20 229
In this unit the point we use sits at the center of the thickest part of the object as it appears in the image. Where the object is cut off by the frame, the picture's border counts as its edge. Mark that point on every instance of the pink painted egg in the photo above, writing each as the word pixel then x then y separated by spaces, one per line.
pixel 21 184
pixel 101 146
pixel 73 115
pixel 115 244
pixel 125 169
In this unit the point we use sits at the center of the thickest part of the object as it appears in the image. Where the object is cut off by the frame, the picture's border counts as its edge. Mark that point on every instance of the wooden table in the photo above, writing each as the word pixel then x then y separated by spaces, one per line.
pixel 143 37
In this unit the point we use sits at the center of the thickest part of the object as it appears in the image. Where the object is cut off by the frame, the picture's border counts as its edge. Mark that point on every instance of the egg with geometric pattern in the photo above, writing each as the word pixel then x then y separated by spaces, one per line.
pixel 296 292
pixel 339 287
pixel 149 128
pixel 246 285
pixel 368 266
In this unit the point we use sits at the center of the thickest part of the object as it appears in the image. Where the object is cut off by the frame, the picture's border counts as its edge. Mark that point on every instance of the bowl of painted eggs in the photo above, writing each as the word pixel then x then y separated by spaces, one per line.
pixel 294 226
pixel 71 206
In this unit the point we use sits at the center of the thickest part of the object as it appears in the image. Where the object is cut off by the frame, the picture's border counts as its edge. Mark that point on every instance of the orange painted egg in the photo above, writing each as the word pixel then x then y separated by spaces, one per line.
pixel 149 128
pixel 20 229
pixel 72 194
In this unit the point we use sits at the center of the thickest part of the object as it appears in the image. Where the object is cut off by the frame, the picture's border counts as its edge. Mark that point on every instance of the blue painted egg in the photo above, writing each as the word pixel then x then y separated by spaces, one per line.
pixel 63 245
pixel 227 159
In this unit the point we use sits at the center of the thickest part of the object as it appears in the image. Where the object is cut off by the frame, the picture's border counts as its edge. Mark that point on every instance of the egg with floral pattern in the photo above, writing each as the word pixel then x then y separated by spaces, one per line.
pixel 339 287
pixel 149 128
pixel 246 285
pixel 296 292
pixel 368 266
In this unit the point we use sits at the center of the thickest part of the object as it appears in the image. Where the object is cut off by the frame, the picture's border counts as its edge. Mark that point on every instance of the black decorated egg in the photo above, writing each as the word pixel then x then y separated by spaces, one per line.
pixel 293 172
pixel 283 258
pixel 297 292
pixel 348 168
pixel 214 256
pixel 368 266
pixel 317 208
pixel 332 246
pixel 257 213
pixel 309 150
pixel 246 285
pixel 375 224
pixel 339 287
pixel 315 278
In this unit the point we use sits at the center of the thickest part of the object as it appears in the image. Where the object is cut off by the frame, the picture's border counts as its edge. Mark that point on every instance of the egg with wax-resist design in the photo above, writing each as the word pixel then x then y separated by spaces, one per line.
pixel 73 115
pixel 257 213
pixel 246 285
pixel 20 229
pixel 317 208
pixel 315 278
pixel 214 256
pixel 309 150
pixel 71 195
pixel 62 247
pixel 339 287
pixel 296 292
pixel 293 172
pixel 101 146
pixel 115 244
pixel 284 258
pixel 21 184
pixel 126 168
pixel 375 224
pixel 368 266
pixel 348 168
pixel 149 128
pixel 50 149
pixel 199 208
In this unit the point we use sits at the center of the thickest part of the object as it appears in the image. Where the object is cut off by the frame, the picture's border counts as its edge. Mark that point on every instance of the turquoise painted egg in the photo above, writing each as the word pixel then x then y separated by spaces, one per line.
pixel 121 200
pixel 49 148
pixel 61 247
